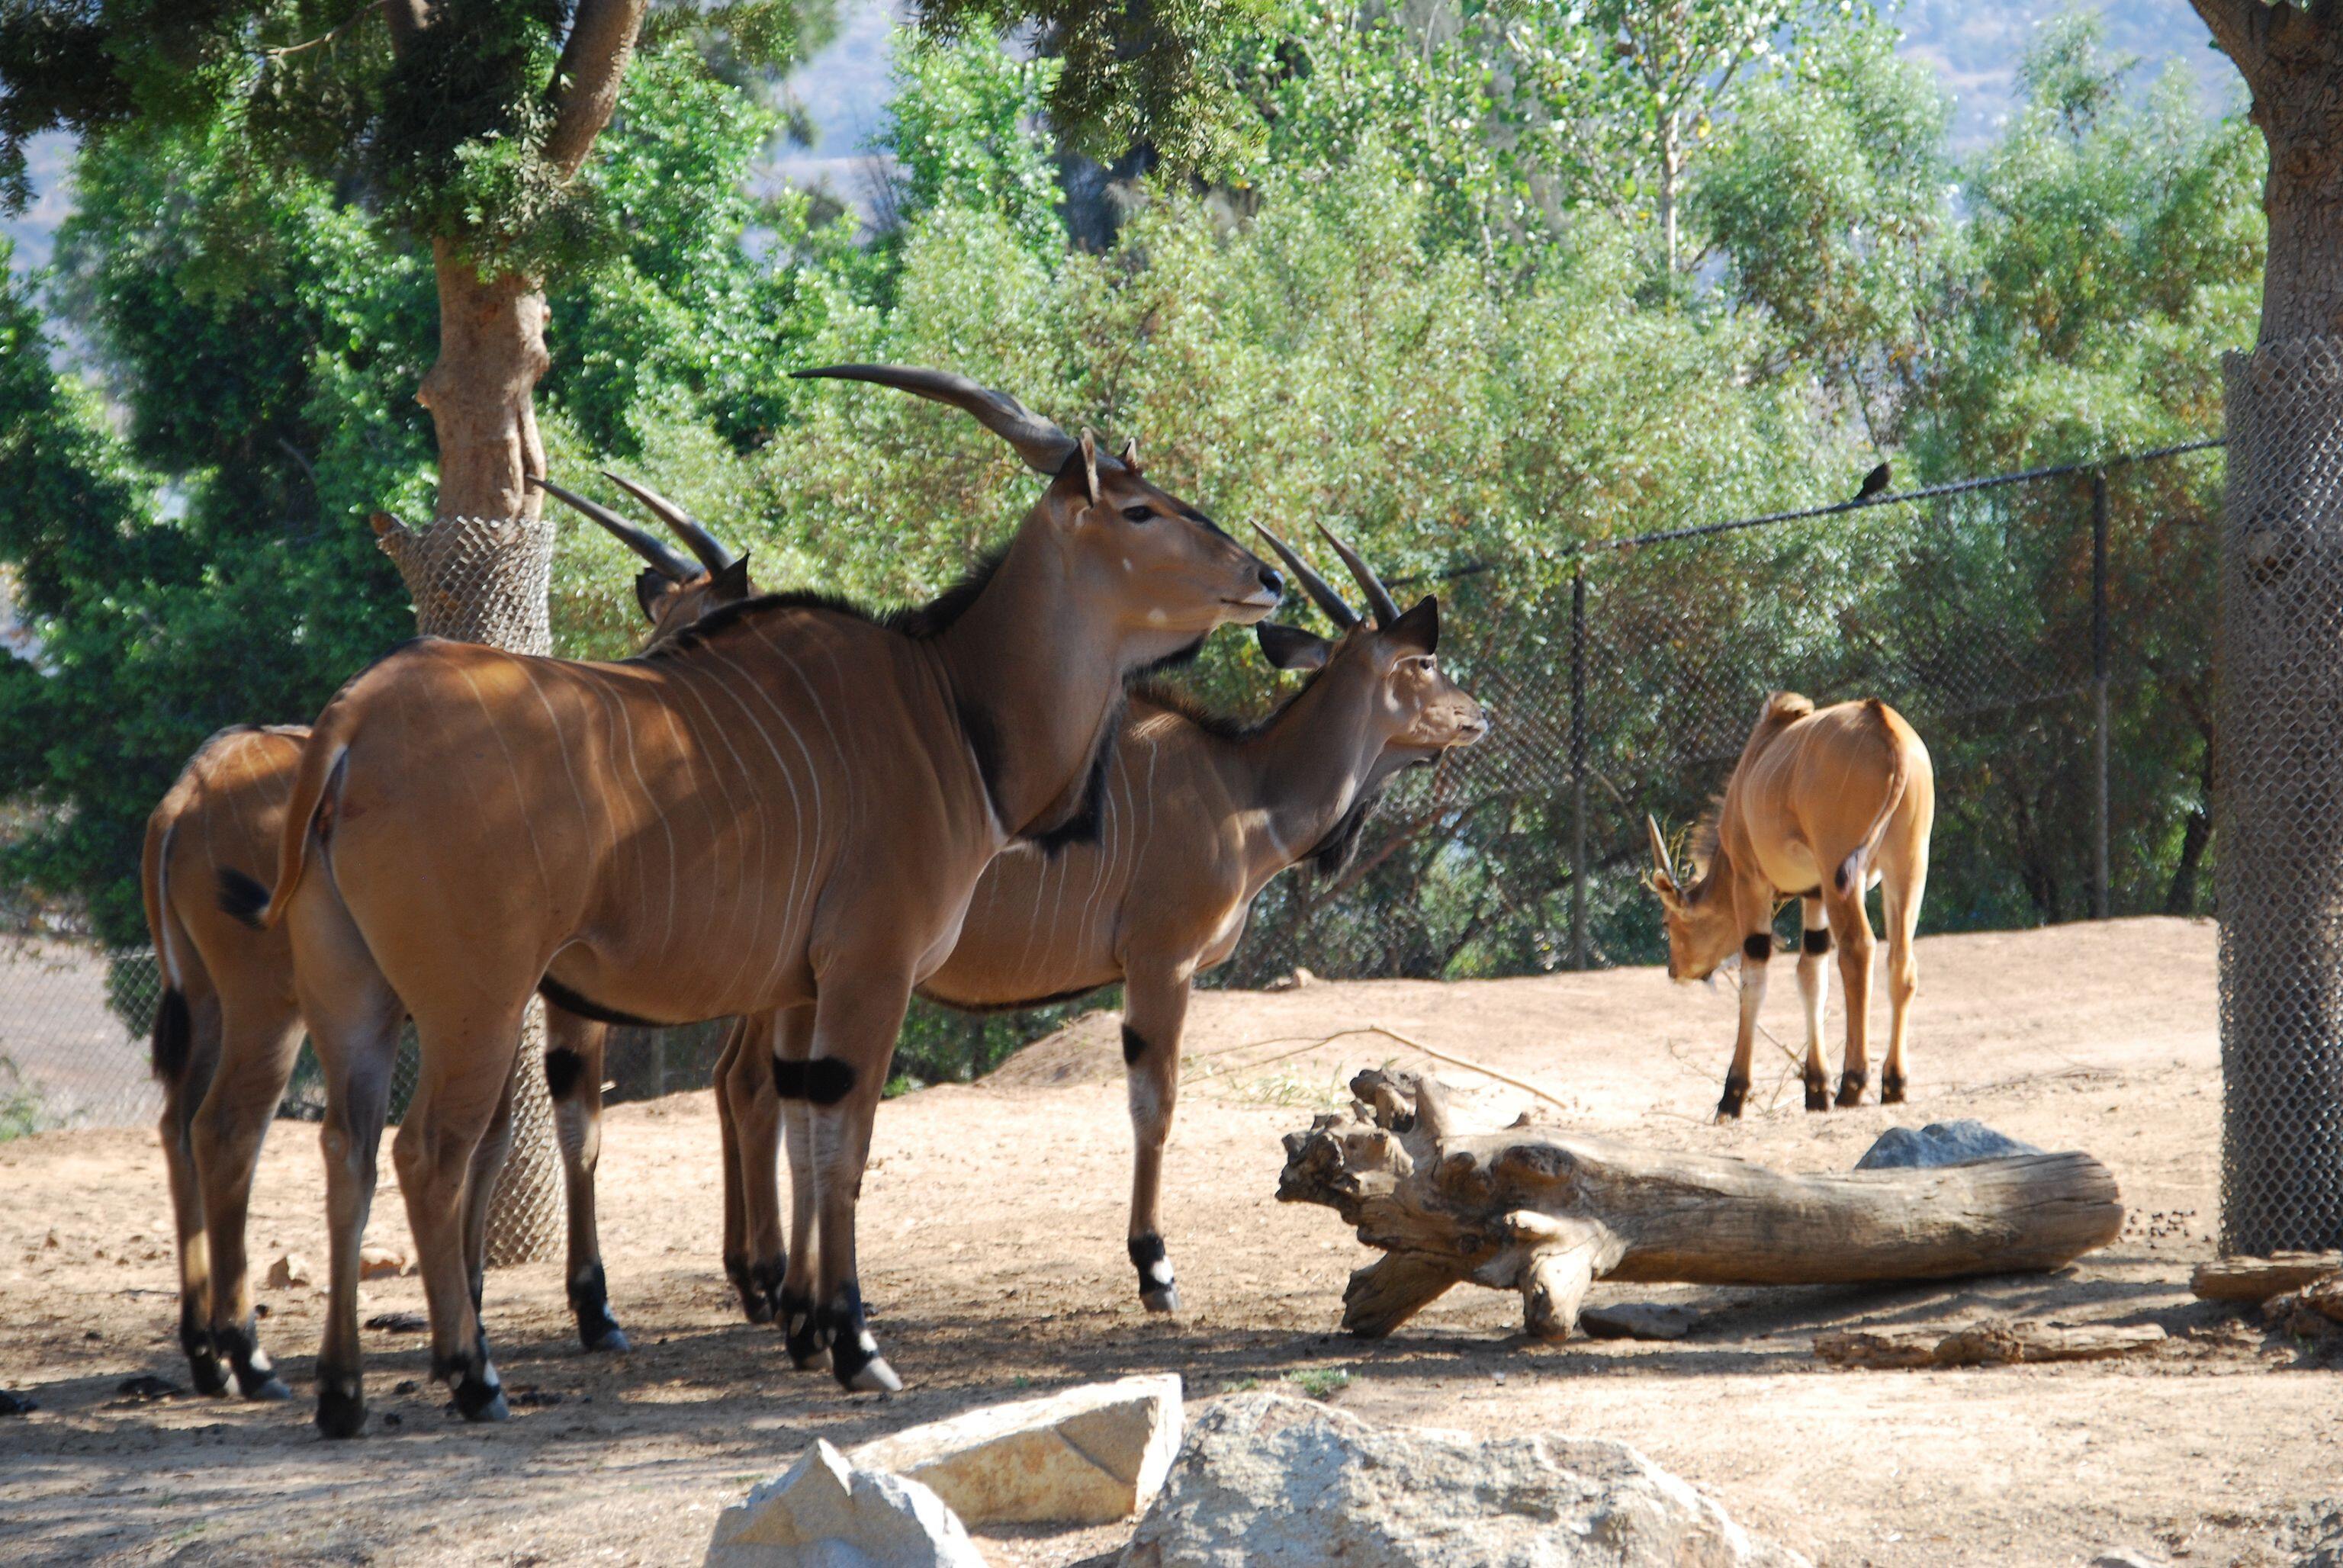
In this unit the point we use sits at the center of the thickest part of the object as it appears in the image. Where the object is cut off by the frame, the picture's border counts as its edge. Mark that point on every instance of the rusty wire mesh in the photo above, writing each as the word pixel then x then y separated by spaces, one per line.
pixel 2281 823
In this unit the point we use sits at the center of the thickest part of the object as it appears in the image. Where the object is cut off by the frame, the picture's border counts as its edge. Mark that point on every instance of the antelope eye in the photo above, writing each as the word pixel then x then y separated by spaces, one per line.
pixel 1139 514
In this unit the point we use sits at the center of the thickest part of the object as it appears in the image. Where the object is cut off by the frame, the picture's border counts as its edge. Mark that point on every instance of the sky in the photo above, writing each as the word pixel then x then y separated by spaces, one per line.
pixel 1974 45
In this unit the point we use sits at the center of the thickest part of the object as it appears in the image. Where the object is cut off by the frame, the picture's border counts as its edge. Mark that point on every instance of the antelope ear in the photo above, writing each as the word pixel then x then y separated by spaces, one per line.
pixel 1130 453
pixel 1089 463
pixel 1290 648
pixel 649 588
pixel 1418 628
pixel 731 585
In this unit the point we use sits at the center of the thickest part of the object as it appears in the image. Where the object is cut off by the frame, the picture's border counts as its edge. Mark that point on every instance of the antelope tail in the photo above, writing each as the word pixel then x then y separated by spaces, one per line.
pixel 240 894
pixel 1856 866
pixel 173 1035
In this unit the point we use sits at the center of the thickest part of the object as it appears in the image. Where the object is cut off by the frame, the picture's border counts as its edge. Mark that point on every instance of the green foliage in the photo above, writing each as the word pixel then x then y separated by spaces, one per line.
pixel 962 133
pixel 2114 248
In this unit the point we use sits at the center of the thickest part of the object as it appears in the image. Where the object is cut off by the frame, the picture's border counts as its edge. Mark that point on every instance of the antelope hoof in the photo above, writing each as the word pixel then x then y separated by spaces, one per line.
pixel 1851 1086
pixel 341 1412
pixel 265 1388
pixel 802 1330
pixel 207 1373
pixel 610 1340
pixel 1891 1089
pixel 1818 1094
pixel 478 1401
pixel 1165 1299
pixel 1736 1094
pixel 874 1376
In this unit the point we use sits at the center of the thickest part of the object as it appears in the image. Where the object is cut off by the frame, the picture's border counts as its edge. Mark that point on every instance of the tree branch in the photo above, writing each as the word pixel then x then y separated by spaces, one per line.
pixel 407 18
pixel 586 82
pixel 2241 29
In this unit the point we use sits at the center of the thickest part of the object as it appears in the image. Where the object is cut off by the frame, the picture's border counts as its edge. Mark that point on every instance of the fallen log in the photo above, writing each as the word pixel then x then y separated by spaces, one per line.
pixel 2256 1279
pixel 1986 1343
pixel 1547 1213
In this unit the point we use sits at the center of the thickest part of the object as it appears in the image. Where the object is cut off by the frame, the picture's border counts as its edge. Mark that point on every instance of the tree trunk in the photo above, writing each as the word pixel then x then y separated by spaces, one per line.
pixel 2298 105
pixel 1547 1213
pixel 479 573
pixel 482 392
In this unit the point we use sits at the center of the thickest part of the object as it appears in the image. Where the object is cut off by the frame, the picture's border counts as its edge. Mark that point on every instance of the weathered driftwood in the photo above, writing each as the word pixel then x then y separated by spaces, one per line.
pixel 1547 1213
pixel 1986 1343
pixel 2257 1279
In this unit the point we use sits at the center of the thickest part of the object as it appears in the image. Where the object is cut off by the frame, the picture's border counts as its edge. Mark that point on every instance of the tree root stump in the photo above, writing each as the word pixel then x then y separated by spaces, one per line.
pixel 1546 1213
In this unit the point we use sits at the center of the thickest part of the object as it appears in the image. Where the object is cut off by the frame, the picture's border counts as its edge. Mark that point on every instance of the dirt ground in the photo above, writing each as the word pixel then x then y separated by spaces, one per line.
pixel 992 1245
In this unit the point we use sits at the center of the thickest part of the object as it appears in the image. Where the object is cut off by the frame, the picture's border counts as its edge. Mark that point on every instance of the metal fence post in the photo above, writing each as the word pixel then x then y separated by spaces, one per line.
pixel 1578 765
pixel 2099 893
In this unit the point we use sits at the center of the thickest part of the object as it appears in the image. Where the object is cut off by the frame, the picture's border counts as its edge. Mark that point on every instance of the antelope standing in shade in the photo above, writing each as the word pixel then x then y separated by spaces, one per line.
pixel 1198 815
pixel 1823 804
pixel 229 1024
pixel 789 804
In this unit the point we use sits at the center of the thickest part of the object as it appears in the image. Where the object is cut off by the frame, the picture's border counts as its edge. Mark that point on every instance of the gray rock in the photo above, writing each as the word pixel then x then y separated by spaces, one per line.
pixel 2124 1557
pixel 1939 1143
pixel 826 1514
pixel 1268 1482
pixel 1639 1321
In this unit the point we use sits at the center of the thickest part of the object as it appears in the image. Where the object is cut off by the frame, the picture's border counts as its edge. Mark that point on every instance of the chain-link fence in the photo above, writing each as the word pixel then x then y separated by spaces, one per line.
pixel 2281 876
pixel 2050 634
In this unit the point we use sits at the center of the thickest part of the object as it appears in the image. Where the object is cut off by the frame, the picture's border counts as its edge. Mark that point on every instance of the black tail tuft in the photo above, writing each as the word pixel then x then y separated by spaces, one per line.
pixel 242 898
pixel 175 1030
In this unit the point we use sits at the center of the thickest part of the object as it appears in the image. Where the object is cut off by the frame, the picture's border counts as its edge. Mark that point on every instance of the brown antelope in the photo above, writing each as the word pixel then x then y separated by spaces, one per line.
pixel 789 804
pixel 1823 804
pixel 229 1024
pixel 1199 814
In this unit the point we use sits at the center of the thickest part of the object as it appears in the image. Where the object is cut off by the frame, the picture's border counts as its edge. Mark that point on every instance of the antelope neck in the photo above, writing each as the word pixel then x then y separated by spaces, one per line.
pixel 1037 670
pixel 1306 766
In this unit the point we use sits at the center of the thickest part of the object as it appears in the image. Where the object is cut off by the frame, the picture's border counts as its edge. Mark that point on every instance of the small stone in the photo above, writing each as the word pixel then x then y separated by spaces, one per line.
pixel 290 1270
pixel 380 1263
pixel 1939 1143
pixel 147 1386
pixel 2124 1557
pixel 398 1322
pixel 826 1514
pixel 1639 1321
pixel 18 1403
pixel 1089 1455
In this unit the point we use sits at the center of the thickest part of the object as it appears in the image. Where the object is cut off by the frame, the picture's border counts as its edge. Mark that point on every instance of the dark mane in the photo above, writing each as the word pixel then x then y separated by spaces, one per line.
pixel 918 622
pixel 1331 855
pixel 1080 826
pixel 1220 725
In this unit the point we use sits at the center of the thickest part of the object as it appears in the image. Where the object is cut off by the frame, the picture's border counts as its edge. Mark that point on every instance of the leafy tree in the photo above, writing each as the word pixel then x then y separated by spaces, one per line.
pixel 261 335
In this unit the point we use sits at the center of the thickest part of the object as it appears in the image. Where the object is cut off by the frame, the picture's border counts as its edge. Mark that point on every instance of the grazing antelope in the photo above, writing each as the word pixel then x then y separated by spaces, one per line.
pixel 1823 804
pixel 229 1024
pixel 1198 815
pixel 787 805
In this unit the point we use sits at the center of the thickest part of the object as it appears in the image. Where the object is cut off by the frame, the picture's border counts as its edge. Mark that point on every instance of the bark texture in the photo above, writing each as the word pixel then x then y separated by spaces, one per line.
pixel 482 391
pixel 2291 56
pixel 1546 1213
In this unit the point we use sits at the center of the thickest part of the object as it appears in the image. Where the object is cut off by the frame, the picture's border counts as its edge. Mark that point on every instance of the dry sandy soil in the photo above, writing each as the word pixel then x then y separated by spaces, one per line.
pixel 992 1241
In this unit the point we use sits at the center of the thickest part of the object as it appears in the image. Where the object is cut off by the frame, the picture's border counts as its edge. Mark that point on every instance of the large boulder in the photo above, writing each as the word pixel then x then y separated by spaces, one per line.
pixel 1268 1482
pixel 827 1513
pixel 1090 1455
pixel 1960 1142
